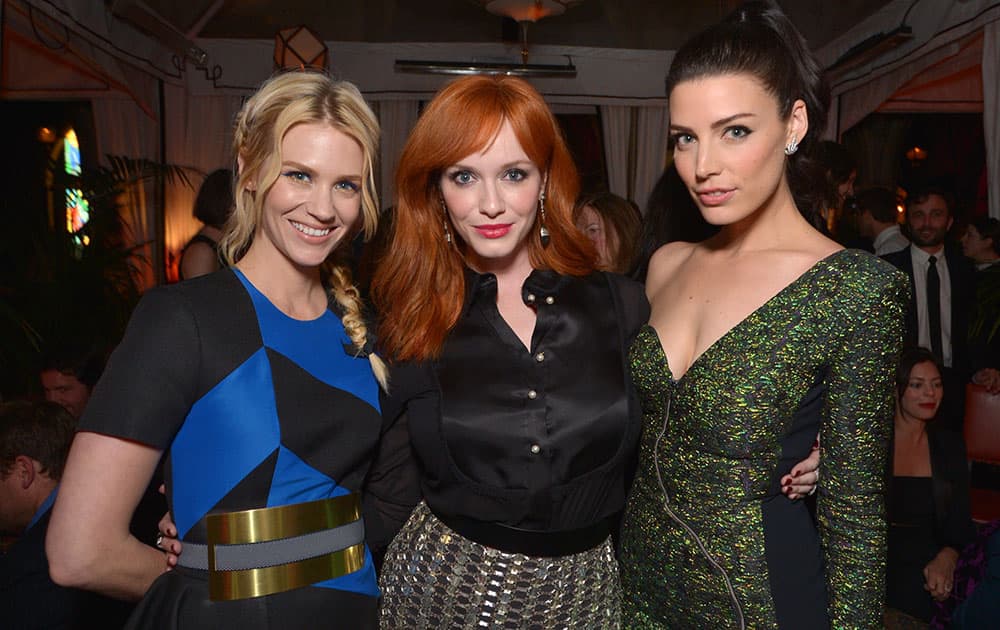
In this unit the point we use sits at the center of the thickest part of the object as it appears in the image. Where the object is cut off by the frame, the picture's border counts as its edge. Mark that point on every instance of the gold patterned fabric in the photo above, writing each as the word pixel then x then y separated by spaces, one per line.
pixel 694 549
pixel 435 579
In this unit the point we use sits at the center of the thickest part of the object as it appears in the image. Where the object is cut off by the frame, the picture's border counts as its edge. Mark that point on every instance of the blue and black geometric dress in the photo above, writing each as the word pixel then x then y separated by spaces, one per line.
pixel 253 409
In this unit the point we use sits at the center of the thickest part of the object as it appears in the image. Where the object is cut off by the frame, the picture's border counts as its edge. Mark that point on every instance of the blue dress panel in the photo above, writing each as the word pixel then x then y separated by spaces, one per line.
pixel 253 409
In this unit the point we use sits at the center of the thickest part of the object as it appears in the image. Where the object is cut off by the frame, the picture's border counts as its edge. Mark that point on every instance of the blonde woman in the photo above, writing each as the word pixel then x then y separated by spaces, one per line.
pixel 256 385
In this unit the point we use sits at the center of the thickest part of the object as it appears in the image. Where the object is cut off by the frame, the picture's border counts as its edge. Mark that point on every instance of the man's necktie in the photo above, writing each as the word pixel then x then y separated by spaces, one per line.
pixel 934 306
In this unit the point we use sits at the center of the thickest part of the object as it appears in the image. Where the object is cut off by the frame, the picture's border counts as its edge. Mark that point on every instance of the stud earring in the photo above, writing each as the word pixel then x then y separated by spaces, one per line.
pixel 543 232
pixel 792 146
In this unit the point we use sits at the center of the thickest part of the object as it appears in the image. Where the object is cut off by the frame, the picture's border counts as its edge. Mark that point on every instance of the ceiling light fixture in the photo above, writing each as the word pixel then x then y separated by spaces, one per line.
pixel 521 11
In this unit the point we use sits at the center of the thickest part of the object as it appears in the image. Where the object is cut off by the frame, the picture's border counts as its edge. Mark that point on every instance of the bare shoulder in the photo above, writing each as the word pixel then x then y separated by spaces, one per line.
pixel 664 263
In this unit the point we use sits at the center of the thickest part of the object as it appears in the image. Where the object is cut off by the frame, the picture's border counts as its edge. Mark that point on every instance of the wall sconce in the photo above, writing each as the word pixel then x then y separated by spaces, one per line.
pixel 916 156
pixel 46 135
pixel 298 47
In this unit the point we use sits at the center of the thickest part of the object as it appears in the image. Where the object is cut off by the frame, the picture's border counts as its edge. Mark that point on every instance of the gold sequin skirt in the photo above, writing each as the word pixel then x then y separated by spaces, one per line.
pixel 434 578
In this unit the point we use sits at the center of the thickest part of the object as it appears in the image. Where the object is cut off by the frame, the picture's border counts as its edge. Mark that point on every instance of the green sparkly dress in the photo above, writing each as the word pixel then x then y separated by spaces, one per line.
pixel 708 540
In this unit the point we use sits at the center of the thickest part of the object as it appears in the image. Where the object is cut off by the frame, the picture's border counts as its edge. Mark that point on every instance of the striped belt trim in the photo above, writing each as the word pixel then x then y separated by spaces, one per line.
pixel 269 550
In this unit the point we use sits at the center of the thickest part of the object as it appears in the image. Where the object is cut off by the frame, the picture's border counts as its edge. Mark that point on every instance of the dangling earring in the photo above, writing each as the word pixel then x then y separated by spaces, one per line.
pixel 444 220
pixel 543 232
pixel 792 146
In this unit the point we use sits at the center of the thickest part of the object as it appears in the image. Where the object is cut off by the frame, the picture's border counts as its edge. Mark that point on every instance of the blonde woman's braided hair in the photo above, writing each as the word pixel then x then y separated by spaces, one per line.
pixel 286 100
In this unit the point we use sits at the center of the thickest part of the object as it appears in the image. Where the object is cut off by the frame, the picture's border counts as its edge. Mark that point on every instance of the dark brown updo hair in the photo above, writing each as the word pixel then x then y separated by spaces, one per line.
pixel 758 39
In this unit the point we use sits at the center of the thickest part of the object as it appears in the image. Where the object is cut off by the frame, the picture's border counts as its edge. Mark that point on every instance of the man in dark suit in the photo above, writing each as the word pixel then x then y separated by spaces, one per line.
pixel 34 442
pixel 942 294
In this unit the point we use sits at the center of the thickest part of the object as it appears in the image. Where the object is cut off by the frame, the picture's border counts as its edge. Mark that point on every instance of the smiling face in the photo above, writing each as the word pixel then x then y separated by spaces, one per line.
pixel 316 201
pixel 929 221
pixel 729 144
pixel 492 199
pixel 65 389
pixel 922 396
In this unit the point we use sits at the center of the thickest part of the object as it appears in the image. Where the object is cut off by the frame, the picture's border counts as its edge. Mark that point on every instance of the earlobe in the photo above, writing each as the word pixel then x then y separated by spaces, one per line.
pixel 251 184
pixel 799 120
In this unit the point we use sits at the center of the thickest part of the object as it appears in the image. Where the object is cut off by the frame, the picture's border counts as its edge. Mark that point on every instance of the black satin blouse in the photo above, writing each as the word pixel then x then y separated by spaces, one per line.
pixel 540 438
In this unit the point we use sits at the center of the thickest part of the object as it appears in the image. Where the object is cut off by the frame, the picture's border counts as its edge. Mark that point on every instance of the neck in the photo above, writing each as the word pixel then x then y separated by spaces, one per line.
pixel 511 272
pixel 296 291
pixel 775 225
pixel 211 232
pixel 908 428
pixel 42 487
pixel 882 227
pixel 932 249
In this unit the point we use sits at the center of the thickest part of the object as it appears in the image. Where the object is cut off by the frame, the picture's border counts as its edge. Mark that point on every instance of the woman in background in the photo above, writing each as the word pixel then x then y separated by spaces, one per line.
pixel 760 337
pixel 257 386
pixel 212 207
pixel 614 226
pixel 929 512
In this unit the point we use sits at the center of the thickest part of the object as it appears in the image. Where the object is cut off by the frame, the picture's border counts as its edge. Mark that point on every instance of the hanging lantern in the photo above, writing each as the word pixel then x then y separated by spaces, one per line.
pixel 299 47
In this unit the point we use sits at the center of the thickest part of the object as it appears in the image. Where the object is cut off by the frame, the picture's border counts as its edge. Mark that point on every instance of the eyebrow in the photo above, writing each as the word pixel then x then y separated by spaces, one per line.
pixel 503 167
pixel 311 171
pixel 722 122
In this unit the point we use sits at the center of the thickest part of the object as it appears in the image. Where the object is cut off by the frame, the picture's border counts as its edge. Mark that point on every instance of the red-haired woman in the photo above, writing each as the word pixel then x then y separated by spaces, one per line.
pixel 511 373
pixel 510 385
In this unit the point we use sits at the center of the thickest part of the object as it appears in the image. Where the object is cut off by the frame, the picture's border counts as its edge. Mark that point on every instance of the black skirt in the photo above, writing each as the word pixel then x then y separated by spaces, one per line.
pixel 178 600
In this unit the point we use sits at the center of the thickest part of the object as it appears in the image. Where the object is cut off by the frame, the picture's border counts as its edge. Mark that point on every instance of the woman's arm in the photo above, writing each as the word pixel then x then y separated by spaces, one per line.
pixel 136 408
pixel 88 543
pixel 857 421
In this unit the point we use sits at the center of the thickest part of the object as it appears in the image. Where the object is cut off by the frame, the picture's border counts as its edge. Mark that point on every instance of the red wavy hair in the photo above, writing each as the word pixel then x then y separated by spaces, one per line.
pixel 419 285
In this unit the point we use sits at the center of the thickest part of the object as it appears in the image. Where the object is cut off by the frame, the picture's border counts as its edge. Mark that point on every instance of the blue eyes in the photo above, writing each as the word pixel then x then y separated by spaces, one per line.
pixel 680 139
pixel 461 177
pixel 348 186
pixel 464 177
pixel 306 178
pixel 736 132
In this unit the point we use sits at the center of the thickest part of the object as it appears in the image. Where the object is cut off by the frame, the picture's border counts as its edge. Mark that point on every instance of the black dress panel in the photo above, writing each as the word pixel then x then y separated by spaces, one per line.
pixel 537 438
pixel 254 409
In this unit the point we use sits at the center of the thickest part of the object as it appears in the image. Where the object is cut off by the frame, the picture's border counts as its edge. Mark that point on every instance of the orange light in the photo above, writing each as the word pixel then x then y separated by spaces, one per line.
pixel 916 154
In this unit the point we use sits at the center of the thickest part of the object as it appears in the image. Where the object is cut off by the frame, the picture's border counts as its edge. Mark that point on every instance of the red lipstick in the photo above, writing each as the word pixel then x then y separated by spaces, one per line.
pixel 494 230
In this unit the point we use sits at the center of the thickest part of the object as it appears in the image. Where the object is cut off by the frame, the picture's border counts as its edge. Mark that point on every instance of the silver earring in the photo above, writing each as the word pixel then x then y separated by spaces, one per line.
pixel 543 232
pixel 792 147
pixel 444 220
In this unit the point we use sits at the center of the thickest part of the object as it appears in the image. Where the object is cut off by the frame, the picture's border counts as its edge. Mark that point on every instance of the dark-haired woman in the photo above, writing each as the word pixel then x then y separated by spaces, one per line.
pixel 212 207
pixel 614 226
pixel 929 519
pixel 760 337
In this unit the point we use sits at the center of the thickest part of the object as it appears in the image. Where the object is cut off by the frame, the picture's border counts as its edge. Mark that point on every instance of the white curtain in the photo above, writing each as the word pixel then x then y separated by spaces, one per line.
pixel 396 119
pixel 199 132
pixel 651 150
pixel 124 130
pixel 991 112
pixel 616 124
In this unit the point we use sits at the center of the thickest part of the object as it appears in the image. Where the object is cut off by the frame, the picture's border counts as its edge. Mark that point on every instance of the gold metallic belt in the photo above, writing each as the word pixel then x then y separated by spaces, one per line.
pixel 252 553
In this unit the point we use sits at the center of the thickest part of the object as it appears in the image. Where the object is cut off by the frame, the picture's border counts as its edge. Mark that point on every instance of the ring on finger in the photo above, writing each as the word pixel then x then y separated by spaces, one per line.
pixel 159 540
